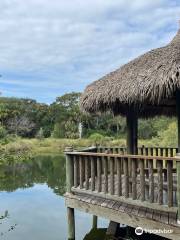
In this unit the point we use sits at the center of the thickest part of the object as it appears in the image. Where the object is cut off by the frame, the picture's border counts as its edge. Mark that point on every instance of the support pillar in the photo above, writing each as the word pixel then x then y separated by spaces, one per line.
pixel 95 222
pixel 132 137
pixel 178 117
pixel 132 131
pixel 69 184
pixel 178 155
pixel 71 223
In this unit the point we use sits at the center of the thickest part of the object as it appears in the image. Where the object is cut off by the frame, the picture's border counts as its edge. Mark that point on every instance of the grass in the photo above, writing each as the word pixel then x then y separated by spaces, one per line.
pixel 56 146
pixel 19 149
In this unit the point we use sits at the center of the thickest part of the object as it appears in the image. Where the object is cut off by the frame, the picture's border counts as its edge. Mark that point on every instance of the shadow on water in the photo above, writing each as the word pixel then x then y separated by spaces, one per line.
pixel 124 233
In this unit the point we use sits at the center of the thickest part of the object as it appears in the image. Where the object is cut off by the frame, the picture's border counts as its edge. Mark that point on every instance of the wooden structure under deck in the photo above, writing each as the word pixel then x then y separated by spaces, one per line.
pixel 100 182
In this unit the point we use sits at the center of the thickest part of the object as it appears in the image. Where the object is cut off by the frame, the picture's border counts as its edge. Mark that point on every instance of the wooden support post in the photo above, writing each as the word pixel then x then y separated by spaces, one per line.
pixel 142 179
pixel 86 173
pixel 126 178
pixel 105 175
pixel 99 180
pixel 76 171
pixel 178 186
pixel 151 181
pixel 92 174
pixel 132 129
pixel 132 132
pixel 69 184
pixel 160 181
pixel 170 183
pixel 81 170
pixel 134 181
pixel 112 176
pixel 71 223
pixel 178 154
pixel 69 170
pixel 119 172
pixel 95 222
pixel 178 116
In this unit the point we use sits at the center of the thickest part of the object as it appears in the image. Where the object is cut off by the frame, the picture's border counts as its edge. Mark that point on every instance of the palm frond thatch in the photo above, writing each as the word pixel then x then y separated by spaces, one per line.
pixel 148 82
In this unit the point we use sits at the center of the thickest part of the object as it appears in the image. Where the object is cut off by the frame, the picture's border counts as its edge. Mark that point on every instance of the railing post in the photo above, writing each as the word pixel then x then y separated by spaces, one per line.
pixel 178 185
pixel 69 184
pixel 69 170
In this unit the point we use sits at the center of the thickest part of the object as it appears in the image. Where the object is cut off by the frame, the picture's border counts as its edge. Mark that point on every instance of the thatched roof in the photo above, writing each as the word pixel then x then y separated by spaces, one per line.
pixel 149 82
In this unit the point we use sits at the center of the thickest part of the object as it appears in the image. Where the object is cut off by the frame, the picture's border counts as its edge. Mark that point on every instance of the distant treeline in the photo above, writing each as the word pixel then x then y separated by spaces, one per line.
pixel 61 119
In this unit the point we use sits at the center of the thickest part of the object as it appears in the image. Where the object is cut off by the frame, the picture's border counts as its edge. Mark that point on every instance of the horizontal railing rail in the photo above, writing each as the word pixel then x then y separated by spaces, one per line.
pixel 87 149
pixel 143 150
pixel 121 156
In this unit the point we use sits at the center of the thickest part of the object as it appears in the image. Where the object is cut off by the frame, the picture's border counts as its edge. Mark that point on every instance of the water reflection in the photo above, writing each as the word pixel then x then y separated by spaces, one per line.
pixel 32 206
pixel 41 169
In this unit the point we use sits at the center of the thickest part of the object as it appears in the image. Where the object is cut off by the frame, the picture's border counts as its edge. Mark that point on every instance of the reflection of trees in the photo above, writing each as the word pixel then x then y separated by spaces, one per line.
pixel 41 169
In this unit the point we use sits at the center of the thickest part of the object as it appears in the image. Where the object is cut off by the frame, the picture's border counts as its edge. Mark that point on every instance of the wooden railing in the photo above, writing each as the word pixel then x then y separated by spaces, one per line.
pixel 125 177
pixel 143 150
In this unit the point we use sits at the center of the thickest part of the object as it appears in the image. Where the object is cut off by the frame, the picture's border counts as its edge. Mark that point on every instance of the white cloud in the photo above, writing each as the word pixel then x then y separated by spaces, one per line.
pixel 66 44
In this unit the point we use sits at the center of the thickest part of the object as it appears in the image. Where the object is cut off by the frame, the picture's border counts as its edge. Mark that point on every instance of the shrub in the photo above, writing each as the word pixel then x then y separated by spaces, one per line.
pixel 169 137
pixel 17 147
pixel 97 138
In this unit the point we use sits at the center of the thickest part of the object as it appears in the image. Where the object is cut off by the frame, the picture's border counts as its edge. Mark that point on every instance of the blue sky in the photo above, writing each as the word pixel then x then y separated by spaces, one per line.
pixel 48 48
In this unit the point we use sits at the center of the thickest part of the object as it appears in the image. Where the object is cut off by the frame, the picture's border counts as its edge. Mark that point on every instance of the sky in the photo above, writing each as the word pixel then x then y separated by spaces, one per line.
pixel 49 48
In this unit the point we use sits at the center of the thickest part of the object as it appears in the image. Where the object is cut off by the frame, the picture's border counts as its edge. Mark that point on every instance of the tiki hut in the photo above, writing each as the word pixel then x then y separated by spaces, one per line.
pixel 145 87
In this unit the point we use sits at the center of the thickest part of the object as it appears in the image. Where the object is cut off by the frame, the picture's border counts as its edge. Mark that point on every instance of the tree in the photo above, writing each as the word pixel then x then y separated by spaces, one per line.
pixel 38 113
pixel 21 126
pixel 67 115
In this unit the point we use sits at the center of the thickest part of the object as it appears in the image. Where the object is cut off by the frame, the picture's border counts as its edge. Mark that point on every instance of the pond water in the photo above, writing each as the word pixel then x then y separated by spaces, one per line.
pixel 32 204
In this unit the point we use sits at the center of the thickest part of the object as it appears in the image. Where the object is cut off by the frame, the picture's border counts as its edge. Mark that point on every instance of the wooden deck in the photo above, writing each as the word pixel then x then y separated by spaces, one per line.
pixel 121 212
pixel 101 184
